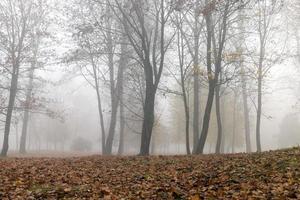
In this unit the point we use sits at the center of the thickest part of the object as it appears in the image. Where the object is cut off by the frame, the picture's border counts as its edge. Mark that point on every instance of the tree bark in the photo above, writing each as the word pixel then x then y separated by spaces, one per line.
pixel 259 108
pixel 121 82
pixel 206 119
pixel 17 135
pixel 113 88
pixel 181 55
pixel 26 111
pixel 196 110
pixel 244 83
pixel 234 121
pixel 223 117
pixel 148 119
pixel 187 120
pixel 116 98
pixel 112 127
pixel 219 120
pixel 196 107
pixel 246 110
pixel 11 103
pixel 99 103
pixel 262 34
pixel 122 126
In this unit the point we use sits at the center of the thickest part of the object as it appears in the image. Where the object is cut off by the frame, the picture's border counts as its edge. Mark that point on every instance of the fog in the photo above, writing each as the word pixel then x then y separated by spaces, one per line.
pixel 118 78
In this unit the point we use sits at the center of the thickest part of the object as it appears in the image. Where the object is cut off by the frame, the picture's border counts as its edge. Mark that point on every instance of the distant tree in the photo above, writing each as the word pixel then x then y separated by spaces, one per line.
pixel 243 76
pixel 81 145
pixel 190 24
pixel 291 13
pixel 183 79
pixel 289 131
pixel 93 58
pixel 264 17
pixel 39 33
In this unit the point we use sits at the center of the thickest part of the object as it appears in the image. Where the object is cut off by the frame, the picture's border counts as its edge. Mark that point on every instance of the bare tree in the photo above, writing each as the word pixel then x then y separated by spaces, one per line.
pixel 213 78
pixel 92 32
pixel 266 15
pixel 19 21
pixel 28 98
pixel 191 28
pixel 147 37
pixel 184 76
pixel 37 34
pixel 243 77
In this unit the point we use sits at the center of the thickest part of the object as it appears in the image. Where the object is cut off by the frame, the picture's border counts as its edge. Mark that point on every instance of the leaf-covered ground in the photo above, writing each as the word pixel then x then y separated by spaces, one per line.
pixel 270 175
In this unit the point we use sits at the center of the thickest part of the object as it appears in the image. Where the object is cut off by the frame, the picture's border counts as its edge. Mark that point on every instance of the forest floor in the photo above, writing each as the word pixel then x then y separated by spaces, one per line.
pixel 268 175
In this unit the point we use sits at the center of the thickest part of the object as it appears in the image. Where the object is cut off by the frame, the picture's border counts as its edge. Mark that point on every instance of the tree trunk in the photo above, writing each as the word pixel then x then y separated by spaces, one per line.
pixel 206 119
pixel 117 92
pixel 26 111
pixel 101 118
pixel 246 110
pixel 219 122
pixel 259 92
pixel 148 119
pixel 244 83
pixel 187 123
pixel 196 111
pixel 153 145
pixel 186 109
pixel 17 135
pixel 11 103
pixel 196 108
pixel 259 109
pixel 234 121
pixel 223 122
pixel 112 127
pixel 211 81
pixel 114 88
pixel 181 57
pixel 122 127
pixel 121 82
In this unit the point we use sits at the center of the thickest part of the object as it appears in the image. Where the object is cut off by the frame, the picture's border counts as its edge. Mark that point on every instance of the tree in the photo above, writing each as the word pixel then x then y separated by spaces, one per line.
pixel 265 17
pixel 121 82
pixel 37 35
pixel 147 37
pixel 190 26
pixel 182 81
pixel 19 16
pixel 91 32
pixel 213 79
pixel 243 77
